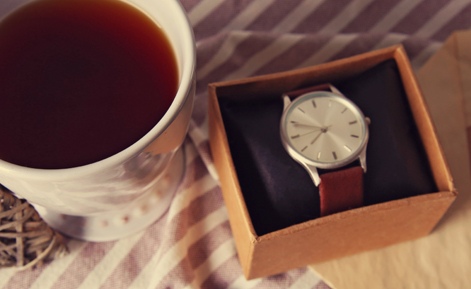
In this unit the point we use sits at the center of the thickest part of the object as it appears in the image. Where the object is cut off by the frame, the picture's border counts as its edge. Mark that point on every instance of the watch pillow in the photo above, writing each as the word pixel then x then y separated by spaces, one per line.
pixel 279 193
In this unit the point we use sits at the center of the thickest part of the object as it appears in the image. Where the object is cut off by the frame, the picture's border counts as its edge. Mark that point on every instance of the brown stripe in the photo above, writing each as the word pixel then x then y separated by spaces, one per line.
pixel 219 18
pixel 197 253
pixel 415 45
pixel 363 43
pixel 321 16
pixel 461 21
pixel 83 264
pixel 197 169
pixel 138 257
pixel 208 47
pixel 200 108
pixel 161 237
pixel 276 13
pixel 370 16
pixel 296 54
pixel 223 276
pixel 243 51
pixel 24 279
pixel 420 15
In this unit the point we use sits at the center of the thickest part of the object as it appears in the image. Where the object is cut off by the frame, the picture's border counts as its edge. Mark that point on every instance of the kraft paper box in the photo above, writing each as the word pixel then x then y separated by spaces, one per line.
pixel 272 234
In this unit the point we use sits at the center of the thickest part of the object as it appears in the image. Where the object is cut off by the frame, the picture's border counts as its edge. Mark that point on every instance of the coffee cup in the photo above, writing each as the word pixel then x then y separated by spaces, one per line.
pixel 126 192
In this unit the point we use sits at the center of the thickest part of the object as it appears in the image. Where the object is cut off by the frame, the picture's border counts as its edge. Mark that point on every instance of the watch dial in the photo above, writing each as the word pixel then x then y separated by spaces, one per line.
pixel 324 127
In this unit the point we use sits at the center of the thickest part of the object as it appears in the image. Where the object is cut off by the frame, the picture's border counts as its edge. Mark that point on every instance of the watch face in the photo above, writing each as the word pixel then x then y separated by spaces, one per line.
pixel 324 128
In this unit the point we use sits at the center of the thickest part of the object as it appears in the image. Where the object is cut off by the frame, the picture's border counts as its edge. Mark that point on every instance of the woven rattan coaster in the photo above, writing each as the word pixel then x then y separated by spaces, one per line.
pixel 25 239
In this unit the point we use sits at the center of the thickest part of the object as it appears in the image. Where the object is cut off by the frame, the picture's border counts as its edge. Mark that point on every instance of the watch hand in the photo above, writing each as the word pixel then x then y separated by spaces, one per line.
pixel 314 140
pixel 306 125
pixel 308 132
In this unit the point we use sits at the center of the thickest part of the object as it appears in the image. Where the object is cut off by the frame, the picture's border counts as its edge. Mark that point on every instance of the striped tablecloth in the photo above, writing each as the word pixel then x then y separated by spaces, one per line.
pixel 191 246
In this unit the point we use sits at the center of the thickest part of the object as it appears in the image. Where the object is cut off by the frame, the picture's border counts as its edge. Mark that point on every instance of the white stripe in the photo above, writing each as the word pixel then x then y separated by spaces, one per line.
pixel 424 55
pixel 391 39
pixel 242 283
pixel 441 18
pixel 339 42
pixel 308 280
pixel 296 16
pixel 244 19
pixel 110 261
pixel 202 10
pixel 198 137
pixel 190 153
pixel 160 265
pixel 280 45
pixel 183 200
pixel 335 45
pixel 224 53
pixel 55 269
pixel 227 49
pixel 223 253
pixel 6 275
pixel 351 11
pixel 430 27
pixel 395 15
pixel 248 15
pixel 196 132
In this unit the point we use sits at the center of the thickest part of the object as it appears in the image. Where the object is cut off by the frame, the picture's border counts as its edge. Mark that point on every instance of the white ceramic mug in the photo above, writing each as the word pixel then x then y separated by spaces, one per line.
pixel 128 191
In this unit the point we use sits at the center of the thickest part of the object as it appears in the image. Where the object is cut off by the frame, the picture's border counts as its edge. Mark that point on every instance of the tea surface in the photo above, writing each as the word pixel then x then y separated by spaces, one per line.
pixel 80 80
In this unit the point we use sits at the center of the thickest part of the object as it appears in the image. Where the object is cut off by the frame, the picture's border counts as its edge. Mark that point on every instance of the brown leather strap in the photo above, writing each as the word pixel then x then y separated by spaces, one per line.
pixel 341 190
pixel 296 93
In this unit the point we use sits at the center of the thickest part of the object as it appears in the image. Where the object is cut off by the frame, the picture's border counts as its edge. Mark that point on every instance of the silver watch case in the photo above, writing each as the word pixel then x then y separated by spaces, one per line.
pixel 309 164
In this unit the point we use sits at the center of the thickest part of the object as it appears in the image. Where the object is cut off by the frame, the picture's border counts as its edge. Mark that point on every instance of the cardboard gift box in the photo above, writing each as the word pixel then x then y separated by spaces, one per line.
pixel 272 203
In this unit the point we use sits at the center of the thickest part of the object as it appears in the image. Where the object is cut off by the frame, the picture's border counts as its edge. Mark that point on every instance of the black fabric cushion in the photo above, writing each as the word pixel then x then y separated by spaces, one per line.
pixel 279 192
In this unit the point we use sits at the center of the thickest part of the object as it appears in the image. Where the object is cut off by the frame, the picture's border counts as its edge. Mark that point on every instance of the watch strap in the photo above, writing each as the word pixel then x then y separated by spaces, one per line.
pixel 296 93
pixel 341 190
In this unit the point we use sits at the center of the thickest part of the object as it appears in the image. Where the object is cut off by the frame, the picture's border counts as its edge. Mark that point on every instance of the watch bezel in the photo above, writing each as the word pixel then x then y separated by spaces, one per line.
pixel 299 157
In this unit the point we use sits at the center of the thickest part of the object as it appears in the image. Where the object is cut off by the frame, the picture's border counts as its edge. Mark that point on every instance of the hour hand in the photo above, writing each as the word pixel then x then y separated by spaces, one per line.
pixel 297 124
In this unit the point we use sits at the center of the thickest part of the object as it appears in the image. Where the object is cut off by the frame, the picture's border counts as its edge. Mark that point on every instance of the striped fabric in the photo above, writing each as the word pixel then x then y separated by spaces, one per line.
pixel 191 246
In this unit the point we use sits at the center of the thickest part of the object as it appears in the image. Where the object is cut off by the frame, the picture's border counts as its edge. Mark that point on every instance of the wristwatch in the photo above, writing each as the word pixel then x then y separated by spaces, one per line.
pixel 322 129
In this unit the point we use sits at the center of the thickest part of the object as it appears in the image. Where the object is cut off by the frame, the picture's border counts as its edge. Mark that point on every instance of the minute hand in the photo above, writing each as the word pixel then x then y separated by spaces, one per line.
pixel 306 125
pixel 314 140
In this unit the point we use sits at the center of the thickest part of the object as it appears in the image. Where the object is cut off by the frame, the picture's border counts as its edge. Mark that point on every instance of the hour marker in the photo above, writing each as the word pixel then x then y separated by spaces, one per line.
pixel 355 136
pixel 330 103
pixel 295 136
pixel 344 110
pixel 347 148
pixel 301 109
pixel 318 155
pixel 294 121
pixel 304 148
pixel 352 122
pixel 335 155
pixel 314 103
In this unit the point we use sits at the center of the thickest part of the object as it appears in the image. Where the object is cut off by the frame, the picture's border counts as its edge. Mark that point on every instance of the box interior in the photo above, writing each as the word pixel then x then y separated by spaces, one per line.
pixel 279 193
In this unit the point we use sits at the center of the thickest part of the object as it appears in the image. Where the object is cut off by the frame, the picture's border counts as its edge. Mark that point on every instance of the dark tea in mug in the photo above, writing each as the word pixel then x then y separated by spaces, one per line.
pixel 80 80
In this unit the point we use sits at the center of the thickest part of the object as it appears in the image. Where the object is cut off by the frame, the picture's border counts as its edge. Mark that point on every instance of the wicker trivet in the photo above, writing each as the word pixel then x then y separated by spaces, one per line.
pixel 25 239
